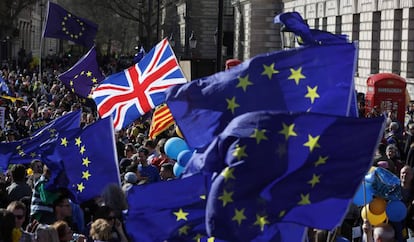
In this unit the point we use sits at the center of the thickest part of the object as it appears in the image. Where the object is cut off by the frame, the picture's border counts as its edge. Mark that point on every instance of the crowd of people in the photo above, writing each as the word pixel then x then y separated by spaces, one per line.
pixel 30 212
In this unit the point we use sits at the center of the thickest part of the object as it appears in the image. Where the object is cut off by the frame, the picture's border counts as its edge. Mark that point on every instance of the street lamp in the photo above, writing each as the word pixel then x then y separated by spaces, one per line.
pixel 193 40
pixel 171 40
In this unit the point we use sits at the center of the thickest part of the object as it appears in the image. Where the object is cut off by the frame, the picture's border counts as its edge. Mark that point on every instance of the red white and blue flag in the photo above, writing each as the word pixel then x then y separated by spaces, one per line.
pixel 131 93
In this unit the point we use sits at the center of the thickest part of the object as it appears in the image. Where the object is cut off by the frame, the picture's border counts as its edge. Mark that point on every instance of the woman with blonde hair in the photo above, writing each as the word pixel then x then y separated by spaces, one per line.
pixel 101 230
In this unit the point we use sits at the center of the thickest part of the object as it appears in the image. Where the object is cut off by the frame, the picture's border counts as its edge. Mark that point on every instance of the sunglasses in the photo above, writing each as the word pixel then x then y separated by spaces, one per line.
pixel 19 216
pixel 111 218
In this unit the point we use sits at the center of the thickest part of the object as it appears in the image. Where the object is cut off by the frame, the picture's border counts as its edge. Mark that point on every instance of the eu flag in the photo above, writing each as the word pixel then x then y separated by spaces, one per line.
pixel 84 75
pixel 86 158
pixel 172 210
pixel 275 168
pixel 315 78
pixel 61 24
pixel 25 150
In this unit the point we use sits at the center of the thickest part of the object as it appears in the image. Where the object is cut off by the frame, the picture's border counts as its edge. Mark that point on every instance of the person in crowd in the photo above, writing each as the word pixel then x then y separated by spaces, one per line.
pixel 147 171
pixel 7 225
pixel 129 150
pixel 130 179
pixel 379 233
pixel 65 232
pixel 162 157
pixel 45 233
pixel 19 210
pixel 63 209
pixel 117 229
pixel 18 188
pixel 167 172
pixel 37 168
pixel 41 206
pixel 113 197
pixel 151 146
pixel 101 231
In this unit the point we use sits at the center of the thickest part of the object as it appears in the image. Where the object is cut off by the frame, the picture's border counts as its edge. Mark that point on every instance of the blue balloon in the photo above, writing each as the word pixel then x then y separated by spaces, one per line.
pixel 177 169
pixel 341 239
pixel 174 146
pixel 359 195
pixel 396 211
pixel 184 157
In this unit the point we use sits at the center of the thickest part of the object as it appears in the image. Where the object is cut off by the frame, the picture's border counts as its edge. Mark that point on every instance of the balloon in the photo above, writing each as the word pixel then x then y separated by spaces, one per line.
pixel 341 239
pixel 177 169
pixel 396 211
pixel 359 195
pixel 178 132
pixel 377 205
pixel 372 218
pixel 174 146
pixel 184 157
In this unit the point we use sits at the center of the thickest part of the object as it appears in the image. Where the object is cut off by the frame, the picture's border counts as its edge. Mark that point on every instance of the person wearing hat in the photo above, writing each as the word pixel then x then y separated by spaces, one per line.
pixel 230 63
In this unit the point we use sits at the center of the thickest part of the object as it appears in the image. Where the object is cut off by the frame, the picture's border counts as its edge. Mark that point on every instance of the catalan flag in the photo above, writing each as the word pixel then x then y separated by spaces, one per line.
pixel 162 119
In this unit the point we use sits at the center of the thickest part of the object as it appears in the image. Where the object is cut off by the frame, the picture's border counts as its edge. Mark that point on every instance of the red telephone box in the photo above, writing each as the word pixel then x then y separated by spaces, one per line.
pixel 387 92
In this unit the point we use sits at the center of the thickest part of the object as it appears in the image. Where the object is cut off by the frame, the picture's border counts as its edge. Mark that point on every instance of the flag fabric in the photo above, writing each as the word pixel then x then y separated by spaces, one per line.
pixel 84 75
pixel 61 24
pixel 309 78
pixel 86 158
pixel 162 119
pixel 3 86
pixel 171 210
pixel 138 56
pixel 286 168
pixel 25 150
pixel 129 94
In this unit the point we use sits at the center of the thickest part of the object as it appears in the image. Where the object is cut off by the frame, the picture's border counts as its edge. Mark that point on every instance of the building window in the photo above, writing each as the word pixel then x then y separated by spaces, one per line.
pixel 228 8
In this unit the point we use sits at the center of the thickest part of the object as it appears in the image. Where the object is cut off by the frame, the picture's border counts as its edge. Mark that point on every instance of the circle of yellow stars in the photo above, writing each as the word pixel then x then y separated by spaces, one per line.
pixel 88 74
pixel 67 31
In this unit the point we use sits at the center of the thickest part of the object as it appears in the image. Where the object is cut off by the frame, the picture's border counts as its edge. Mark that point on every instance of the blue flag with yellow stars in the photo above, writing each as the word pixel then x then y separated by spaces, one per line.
pixel 88 160
pixel 171 210
pixel 61 24
pixel 315 78
pixel 84 75
pixel 273 168
pixel 25 150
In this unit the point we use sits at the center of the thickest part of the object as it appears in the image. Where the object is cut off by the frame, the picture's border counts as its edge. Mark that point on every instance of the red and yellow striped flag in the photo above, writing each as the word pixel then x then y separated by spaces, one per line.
pixel 162 119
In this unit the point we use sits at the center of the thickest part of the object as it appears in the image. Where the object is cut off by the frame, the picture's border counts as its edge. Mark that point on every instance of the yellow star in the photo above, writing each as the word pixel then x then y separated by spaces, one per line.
pixel 282 213
pixel 304 199
pixel 226 197
pixel 82 72
pixel 86 161
pixel 244 82
pixel 312 93
pixel 33 154
pixel 228 173
pixel 78 141
pixel 86 174
pixel 261 221
pixel 239 152
pixel 321 160
pixel 181 215
pixel 22 153
pixel 183 230
pixel 312 142
pixel 259 135
pixel 296 75
pixel 315 180
pixel 64 142
pixel 82 149
pixel 231 104
pixel 239 216
pixel 288 131
pixel 80 187
pixel 89 74
pixel 203 197
pixel 94 80
pixel 269 70
pixel 198 237
pixel 281 150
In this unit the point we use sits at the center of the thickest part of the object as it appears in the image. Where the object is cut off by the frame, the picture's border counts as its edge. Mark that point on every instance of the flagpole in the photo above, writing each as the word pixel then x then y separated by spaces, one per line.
pixel 42 24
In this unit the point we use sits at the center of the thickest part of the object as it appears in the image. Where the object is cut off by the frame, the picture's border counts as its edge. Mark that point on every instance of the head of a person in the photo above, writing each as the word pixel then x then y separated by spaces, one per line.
pixel 18 173
pixel 130 177
pixel 62 207
pixel 7 224
pixel 166 171
pixel 142 155
pixel 19 210
pixel 384 233
pixel 106 213
pixel 391 151
pixel 129 150
pixel 150 145
pixel 63 229
pixel 101 230
pixel 406 175
pixel 46 233
pixel 37 166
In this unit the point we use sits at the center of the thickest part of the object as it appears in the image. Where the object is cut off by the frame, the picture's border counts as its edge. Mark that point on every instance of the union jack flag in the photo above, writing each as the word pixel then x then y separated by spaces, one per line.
pixel 131 93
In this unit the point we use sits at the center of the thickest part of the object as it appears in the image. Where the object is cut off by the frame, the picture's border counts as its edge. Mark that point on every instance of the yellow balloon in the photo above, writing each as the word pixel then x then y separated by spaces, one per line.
pixel 377 206
pixel 178 132
pixel 372 218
